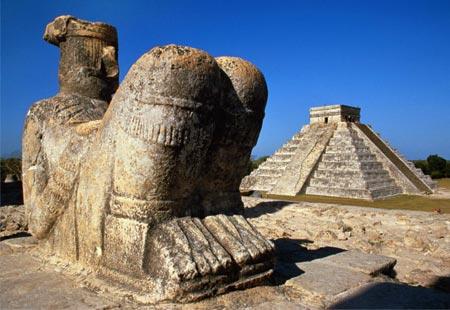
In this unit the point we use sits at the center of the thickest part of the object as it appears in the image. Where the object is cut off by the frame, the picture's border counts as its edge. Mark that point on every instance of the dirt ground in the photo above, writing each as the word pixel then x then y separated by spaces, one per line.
pixel 420 241
pixel 303 232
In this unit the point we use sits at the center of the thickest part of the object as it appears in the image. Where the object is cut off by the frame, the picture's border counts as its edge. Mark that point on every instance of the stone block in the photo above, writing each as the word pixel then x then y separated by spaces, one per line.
pixel 370 264
pixel 325 280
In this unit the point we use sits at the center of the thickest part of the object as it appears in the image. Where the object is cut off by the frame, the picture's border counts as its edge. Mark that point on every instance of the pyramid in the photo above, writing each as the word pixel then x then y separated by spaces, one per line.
pixel 335 155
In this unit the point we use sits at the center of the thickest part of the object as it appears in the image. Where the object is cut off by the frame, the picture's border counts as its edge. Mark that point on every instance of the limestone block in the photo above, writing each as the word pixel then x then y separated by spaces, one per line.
pixel 370 264
pixel 336 281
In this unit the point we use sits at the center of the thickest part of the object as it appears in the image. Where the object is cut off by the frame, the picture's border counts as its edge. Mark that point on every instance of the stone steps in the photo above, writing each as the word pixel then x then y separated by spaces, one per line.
pixel 338 192
pixel 270 164
pixel 350 165
pixel 375 193
pixel 349 157
pixel 368 175
pixel 349 142
pixel 267 174
pixel 385 192
pixel 345 149
pixel 357 183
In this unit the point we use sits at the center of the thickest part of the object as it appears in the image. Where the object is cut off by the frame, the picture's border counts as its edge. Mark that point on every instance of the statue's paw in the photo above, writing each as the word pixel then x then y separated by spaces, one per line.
pixel 193 258
pixel 247 247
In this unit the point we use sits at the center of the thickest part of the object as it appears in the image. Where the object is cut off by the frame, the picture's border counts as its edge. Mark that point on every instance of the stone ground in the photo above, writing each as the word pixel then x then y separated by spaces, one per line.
pixel 328 257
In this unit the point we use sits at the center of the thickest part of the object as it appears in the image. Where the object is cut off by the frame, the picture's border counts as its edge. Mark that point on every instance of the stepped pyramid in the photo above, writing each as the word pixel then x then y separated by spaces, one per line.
pixel 336 155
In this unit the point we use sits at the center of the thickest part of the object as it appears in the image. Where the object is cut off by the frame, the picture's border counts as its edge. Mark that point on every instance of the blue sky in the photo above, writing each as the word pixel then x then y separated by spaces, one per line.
pixel 391 58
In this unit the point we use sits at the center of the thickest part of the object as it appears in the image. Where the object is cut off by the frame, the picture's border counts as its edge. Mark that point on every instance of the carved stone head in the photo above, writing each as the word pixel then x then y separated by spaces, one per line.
pixel 88 64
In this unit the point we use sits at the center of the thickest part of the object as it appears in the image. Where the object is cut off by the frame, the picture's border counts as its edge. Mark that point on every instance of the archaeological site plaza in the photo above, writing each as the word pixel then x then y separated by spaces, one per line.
pixel 336 155
pixel 134 195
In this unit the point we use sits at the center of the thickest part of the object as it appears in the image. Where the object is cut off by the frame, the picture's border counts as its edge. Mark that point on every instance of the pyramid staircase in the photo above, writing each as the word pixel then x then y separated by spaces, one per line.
pixel 280 173
pixel 349 169
pixel 268 172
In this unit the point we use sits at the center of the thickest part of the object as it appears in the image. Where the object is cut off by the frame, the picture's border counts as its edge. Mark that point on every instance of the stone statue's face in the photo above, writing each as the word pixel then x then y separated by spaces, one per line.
pixel 88 67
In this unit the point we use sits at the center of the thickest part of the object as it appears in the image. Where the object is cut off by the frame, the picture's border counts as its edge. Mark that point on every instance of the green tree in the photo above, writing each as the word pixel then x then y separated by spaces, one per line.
pixel 437 166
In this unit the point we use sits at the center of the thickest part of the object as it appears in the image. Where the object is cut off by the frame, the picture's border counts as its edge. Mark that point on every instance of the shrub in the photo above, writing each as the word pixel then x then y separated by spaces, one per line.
pixel 11 166
pixel 437 166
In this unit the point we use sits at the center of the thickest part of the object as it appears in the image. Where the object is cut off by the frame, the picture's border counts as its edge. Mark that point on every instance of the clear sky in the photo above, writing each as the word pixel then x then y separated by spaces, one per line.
pixel 391 58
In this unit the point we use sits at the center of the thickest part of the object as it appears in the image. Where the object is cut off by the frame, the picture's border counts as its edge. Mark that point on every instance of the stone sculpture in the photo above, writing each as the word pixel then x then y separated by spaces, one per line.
pixel 88 76
pixel 133 194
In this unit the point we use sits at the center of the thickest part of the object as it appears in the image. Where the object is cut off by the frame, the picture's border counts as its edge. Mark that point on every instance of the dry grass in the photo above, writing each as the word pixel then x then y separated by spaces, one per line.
pixel 445 183
pixel 403 202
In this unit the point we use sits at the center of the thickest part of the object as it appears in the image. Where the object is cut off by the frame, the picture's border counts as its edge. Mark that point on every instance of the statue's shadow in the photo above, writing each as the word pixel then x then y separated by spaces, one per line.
pixel 266 207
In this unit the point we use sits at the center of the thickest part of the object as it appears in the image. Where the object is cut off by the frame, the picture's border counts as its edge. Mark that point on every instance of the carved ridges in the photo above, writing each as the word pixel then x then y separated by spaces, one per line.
pixel 173 102
pixel 141 210
pixel 63 109
pixel 164 134
pixel 90 56
pixel 217 246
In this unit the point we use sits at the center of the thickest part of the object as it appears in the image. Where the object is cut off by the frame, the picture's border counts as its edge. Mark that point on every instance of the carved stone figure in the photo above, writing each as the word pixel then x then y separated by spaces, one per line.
pixel 129 193
pixel 88 76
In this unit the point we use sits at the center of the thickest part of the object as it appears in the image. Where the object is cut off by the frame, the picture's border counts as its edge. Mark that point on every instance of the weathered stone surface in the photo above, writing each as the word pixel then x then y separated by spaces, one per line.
pixel 49 172
pixel 26 283
pixel 336 156
pixel 12 220
pixel 370 264
pixel 291 225
pixel 369 230
pixel 236 134
pixel 311 147
pixel 21 242
pixel 326 281
pixel 125 194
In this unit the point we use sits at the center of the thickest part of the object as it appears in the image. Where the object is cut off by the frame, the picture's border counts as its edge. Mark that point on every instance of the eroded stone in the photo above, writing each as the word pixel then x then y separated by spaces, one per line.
pixel 124 189
pixel 370 264
pixel 325 280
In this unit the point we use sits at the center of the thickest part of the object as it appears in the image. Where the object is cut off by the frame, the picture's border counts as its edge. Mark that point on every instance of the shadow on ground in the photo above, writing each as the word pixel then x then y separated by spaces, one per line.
pixel 387 295
pixel 266 207
pixel 11 194
pixel 290 252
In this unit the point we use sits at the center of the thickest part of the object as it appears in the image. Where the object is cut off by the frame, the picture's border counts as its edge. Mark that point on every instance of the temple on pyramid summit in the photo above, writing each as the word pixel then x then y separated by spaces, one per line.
pixel 336 155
